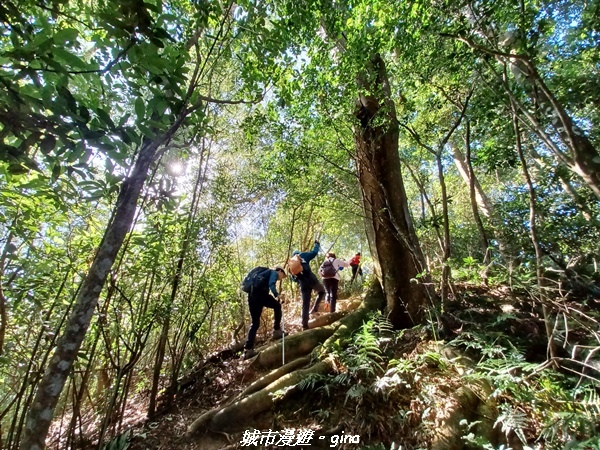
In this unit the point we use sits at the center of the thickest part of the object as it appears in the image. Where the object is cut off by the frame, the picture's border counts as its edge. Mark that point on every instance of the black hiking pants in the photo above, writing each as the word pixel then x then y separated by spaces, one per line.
pixel 307 285
pixel 355 270
pixel 331 287
pixel 256 302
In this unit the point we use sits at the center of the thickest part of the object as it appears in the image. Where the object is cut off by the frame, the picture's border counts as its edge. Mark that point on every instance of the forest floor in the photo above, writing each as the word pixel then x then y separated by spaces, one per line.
pixel 345 412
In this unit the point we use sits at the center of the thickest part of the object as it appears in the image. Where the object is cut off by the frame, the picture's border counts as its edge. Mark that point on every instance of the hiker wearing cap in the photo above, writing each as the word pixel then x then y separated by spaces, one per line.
pixel 258 283
pixel 355 264
pixel 330 274
pixel 308 282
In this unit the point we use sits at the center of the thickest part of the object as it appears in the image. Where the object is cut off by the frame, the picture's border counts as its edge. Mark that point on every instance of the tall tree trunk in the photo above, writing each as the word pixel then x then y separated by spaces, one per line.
pixel 164 335
pixel 50 388
pixel 3 313
pixel 477 197
pixel 38 359
pixel 534 237
pixel 425 200
pixel 483 202
pixel 391 236
pixel 446 270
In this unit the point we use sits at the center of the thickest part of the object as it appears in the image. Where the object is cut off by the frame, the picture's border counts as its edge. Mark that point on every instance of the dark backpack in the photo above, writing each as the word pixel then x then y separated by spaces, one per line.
pixel 257 279
pixel 327 270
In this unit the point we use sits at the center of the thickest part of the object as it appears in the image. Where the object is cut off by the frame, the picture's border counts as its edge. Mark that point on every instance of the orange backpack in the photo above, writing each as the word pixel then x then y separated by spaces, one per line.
pixel 295 265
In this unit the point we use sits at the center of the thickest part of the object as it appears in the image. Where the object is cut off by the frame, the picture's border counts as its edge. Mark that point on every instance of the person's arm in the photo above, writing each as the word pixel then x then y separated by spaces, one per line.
pixel 309 256
pixel 341 263
pixel 272 281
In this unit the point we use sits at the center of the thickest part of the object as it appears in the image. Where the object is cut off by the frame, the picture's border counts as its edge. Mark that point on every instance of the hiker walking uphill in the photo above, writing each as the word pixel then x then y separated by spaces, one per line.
pixel 257 284
pixel 355 264
pixel 308 281
pixel 329 272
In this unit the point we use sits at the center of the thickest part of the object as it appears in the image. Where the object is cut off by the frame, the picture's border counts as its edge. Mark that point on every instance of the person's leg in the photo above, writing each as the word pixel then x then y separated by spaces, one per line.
pixel 320 290
pixel 360 271
pixel 327 284
pixel 255 307
pixel 334 290
pixel 354 270
pixel 270 302
pixel 328 289
pixel 305 292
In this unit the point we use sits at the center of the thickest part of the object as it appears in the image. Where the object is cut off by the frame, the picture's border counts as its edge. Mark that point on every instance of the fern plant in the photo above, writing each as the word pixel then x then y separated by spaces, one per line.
pixel 512 420
pixel 530 398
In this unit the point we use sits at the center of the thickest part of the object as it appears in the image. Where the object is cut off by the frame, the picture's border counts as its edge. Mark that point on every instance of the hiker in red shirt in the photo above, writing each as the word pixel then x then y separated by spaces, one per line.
pixel 355 264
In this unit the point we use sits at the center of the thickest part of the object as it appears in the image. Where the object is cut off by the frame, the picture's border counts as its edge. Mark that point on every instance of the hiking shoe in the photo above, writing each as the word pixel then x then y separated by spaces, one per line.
pixel 304 327
pixel 249 353
pixel 278 334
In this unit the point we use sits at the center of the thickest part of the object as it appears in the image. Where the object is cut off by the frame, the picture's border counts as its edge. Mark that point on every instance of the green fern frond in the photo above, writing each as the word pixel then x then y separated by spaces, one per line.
pixel 120 442
pixel 310 382
pixel 355 392
pixel 512 420
pixel 342 378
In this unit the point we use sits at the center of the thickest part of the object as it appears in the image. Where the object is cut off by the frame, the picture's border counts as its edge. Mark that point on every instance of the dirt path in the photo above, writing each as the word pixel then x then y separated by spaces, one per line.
pixel 220 384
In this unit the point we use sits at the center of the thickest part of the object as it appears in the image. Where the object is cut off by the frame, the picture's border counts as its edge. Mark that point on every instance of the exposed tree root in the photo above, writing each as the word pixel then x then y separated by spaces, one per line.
pixel 296 346
pixel 274 375
pixel 327 319
pixel 300 344
pixel 259 396
pixel 373 301
pixel 237 415
pixel 470 403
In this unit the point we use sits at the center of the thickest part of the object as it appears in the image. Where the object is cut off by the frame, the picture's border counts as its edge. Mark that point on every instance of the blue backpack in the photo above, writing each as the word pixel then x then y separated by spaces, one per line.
pixel 257 279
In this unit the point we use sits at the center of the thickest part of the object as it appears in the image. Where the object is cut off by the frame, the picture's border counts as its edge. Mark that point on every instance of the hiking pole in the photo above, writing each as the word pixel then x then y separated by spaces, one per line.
pixel 331 246
pixel 282 334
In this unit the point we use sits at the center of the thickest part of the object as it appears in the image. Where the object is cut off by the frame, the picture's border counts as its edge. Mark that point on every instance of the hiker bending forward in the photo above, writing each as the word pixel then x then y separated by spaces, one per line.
pixel 332 283
pixel 259 298
pixel 308 282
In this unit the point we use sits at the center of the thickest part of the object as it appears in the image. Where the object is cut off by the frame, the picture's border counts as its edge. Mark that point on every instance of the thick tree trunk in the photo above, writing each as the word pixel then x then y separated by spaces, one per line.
pixel 390 232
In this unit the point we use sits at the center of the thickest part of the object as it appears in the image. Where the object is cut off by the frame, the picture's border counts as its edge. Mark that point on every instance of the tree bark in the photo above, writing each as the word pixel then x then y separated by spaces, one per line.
pixel 392 239
pixel 534 238
pixel 3 314
pixel 50 388
pixel 482 201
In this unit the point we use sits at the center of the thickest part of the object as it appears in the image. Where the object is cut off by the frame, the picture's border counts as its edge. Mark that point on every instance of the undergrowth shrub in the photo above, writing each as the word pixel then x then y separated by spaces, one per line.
pixel 542 407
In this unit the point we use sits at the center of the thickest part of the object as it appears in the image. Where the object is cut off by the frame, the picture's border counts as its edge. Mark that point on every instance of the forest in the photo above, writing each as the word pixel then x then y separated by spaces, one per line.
pixel 153 152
